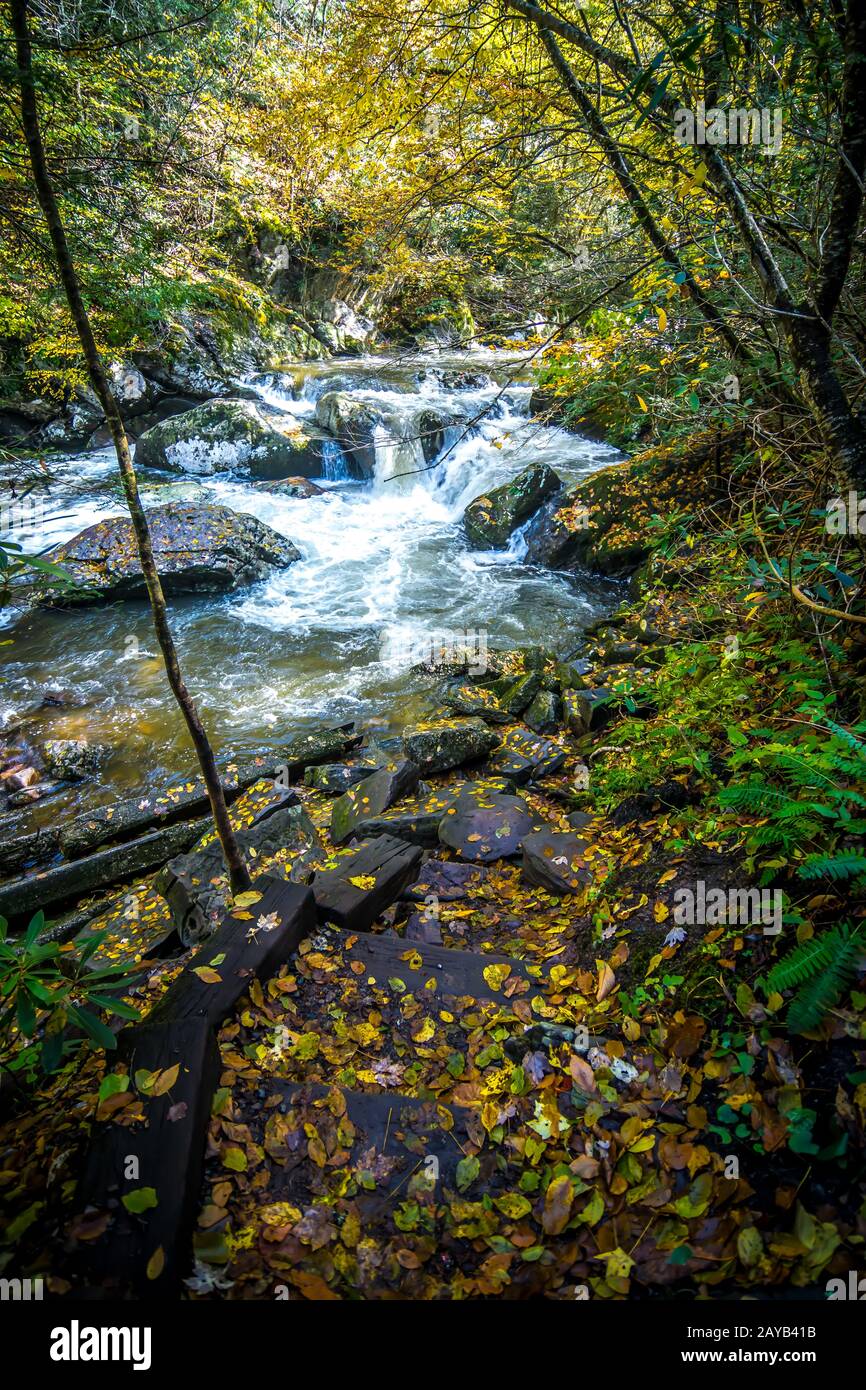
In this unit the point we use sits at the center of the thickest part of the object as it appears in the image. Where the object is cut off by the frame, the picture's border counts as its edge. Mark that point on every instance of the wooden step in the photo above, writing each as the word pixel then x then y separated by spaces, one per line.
pixel 456 972
pixel 401 1129
pixel 364 883
pixel 150 1249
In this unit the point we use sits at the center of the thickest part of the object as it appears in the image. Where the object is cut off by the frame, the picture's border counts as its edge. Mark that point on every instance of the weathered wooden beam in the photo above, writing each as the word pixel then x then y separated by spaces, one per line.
pixel 278 924
pixel 148 1248
pixel 21 897
pixel 364 883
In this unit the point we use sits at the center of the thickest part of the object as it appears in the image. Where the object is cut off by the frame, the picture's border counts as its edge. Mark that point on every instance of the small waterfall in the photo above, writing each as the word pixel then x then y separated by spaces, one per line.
pixel 398 449
pixel 335 469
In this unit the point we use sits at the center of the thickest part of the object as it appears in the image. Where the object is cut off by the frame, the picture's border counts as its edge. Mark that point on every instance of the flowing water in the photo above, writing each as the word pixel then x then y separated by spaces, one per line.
pixel 386 573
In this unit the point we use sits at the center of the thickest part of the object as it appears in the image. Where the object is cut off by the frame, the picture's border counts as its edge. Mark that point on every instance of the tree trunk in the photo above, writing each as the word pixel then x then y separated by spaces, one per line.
pixel 238 872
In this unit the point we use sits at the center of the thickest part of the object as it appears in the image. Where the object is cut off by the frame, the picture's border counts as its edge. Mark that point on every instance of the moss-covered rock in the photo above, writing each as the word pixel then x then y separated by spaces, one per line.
pixel 198 549
pixel 449 743
pixel 225 435
pixel 544 715
pixel 491 519
pixel 603 523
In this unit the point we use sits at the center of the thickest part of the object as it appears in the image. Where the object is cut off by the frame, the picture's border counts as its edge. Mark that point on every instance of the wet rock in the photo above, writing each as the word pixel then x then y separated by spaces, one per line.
pixel 198 548
pixel 301 751
pixel 293 487
pixel 474 700
pixel 228 435
pixel 444 880
pixel 16 779
pixel 336 778
pixel 621 653
pixel 572 674
pixel 554 860
pixel 74 759
pixel 451 743
pixel 353 423
pixel 485 825
pixel 588 709
pixel 364 884
pixel 423 926
pixel 416 821
pixel 524 757
pixel 544 715
pixel 377 793
pixel 491 519
pixel 516 695
pixel 455 380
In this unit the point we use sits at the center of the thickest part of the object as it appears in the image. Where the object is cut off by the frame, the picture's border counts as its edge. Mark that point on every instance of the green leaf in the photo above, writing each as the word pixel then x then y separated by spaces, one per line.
pixel 467 1171
pixel 141 1199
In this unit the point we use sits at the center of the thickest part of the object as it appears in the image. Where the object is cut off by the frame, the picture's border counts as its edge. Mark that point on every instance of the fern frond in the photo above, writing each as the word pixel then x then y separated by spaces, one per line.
pixel 800 964
pixel 834 866
pixel 814 1000
pixel 849 738
pixel 754 797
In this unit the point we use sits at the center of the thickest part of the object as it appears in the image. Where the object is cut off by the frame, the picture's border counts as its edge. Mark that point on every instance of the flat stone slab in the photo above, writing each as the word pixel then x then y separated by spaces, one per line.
pixel 485 825
pixel 555 860
pixel 371 797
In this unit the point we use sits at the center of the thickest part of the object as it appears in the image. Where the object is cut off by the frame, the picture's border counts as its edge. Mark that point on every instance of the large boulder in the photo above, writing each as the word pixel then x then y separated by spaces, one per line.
pixel 354 424
pixel 371 798
pixel 485 824
pixel 225 435
pixel 198 549
pixel 74 759
pixel 294 488
pixel 491 519
pixel 604 522
pixel 448 743
pixel 341 329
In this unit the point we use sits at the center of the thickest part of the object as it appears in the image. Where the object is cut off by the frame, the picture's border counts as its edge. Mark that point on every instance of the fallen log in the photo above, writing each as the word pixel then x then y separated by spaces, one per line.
pixel 133 818
pixel 23 896
pixel 69 882
pixel 148 1206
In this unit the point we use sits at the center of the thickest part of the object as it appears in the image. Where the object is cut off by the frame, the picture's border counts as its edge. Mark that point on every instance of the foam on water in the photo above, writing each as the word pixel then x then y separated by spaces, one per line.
pixel 386 570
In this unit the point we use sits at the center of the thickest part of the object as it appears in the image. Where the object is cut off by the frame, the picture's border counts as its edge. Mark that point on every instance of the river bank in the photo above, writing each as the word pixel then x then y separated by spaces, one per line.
pixel 615 1073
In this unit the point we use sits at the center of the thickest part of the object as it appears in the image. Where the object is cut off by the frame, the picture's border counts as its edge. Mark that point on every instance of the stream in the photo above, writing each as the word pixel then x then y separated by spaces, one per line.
pixel 386 573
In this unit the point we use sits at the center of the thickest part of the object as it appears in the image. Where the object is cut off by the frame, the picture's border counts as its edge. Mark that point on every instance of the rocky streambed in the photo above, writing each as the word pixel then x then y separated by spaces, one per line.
pixel 311 532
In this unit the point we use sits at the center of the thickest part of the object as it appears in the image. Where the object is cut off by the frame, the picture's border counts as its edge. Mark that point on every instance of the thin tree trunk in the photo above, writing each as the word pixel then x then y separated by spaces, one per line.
pixel 807 334
pixel 238 872
pixel 624 176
